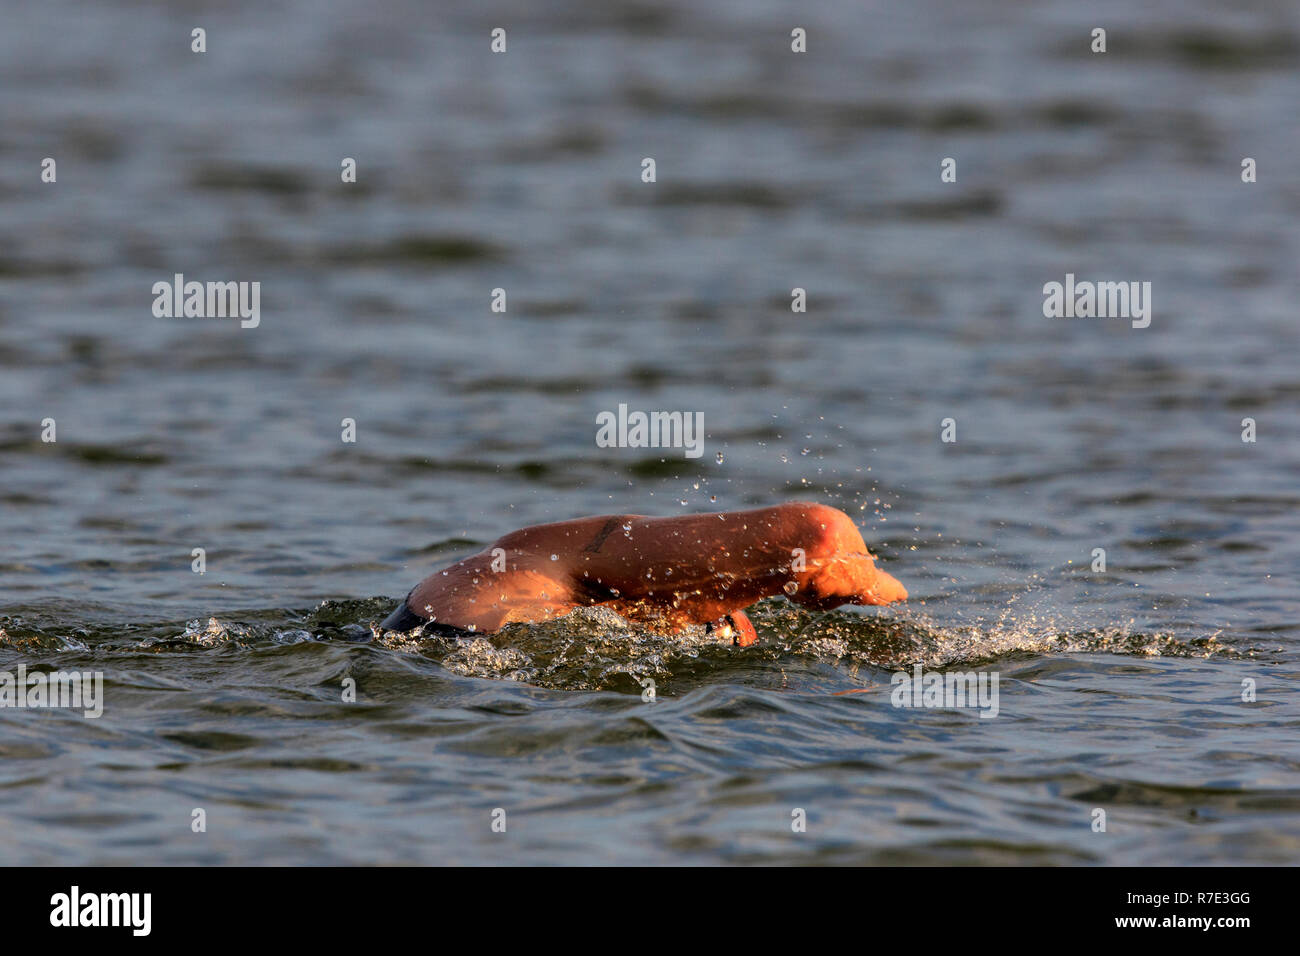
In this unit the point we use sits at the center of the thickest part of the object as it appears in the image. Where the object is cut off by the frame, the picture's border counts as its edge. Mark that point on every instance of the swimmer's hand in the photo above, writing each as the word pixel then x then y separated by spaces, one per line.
pixel 845 577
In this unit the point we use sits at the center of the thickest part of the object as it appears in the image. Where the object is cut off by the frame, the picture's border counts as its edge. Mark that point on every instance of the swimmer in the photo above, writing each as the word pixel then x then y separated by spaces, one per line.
pixel 662 573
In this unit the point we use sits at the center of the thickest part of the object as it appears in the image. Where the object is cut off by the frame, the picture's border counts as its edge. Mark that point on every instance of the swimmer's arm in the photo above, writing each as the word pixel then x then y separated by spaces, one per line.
pixel 724 562
pixel 689 569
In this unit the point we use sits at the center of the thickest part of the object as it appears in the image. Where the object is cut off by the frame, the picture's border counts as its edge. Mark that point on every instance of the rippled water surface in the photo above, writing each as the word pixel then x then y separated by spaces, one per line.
pixel 1120 689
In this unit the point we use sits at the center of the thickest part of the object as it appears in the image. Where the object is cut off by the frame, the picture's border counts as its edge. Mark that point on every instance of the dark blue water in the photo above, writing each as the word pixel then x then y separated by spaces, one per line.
pixel 1119 690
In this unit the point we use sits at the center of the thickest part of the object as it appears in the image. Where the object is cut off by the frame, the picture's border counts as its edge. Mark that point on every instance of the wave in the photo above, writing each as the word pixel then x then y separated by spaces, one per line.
pixel 596 649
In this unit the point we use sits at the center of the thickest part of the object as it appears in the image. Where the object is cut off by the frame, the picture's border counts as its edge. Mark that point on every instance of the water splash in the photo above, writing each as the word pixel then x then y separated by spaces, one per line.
pixel 596 649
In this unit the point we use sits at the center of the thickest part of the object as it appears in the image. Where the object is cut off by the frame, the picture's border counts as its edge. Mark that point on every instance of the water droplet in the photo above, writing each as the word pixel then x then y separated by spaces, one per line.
pixel 720 458
pixel 791 587
pixel 555 557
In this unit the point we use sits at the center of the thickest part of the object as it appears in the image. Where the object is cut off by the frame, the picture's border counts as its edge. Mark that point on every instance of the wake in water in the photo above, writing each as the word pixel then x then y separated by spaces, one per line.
pixel 596 649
